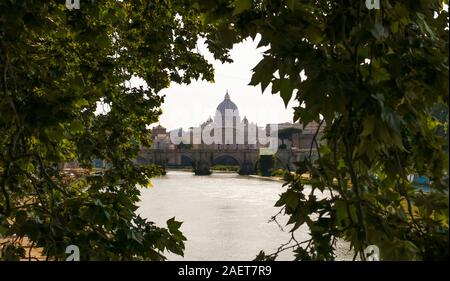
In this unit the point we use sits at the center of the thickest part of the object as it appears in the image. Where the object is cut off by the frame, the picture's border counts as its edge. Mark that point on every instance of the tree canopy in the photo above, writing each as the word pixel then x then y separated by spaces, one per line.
pixel 287 133
pixel 374 76
pixel 56 66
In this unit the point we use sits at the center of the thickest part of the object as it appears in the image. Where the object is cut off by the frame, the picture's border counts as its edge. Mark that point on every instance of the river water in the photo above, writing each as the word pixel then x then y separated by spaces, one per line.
pixel 225 216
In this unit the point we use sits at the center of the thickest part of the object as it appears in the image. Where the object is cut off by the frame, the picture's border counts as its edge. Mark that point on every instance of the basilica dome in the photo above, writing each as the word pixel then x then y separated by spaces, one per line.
pixel 227 104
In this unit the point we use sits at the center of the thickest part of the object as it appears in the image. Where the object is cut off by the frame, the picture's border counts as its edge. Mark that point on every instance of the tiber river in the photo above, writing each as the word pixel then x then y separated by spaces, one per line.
pixel 225 216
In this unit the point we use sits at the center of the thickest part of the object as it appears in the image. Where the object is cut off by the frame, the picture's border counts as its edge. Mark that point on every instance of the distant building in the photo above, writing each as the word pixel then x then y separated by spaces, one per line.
pixel 227 139
pixel 159 130
pixel 160 138
pixel 301 136
pixel 231 128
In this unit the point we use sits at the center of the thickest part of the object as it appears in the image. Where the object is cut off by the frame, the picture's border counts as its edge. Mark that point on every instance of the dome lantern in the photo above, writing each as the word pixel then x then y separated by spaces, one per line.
pixel 225 105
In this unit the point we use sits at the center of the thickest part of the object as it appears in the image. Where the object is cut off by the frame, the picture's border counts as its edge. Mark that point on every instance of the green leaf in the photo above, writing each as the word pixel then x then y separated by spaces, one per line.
pixel 291 199
pixel 424 26
pixel 76 127
pixel 263 73
pixel 286 88
pixel 368 126
pixel 173 225
pixel 241 6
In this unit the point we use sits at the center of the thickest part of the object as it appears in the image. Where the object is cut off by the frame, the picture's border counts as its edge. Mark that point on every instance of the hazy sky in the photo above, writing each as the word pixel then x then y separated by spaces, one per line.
pixel 190 105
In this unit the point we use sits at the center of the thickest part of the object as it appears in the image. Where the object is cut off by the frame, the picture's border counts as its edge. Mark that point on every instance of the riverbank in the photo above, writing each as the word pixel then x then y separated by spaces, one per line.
pixel 221 171
pixel 190 170
pixel 272 178
pixel 180 169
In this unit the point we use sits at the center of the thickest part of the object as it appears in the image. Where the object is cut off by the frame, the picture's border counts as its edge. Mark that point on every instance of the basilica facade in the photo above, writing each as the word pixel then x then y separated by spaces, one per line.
pixel 226 130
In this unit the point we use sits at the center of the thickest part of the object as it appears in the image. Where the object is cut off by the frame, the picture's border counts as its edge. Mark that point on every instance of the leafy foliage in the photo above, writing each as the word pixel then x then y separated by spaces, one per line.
pixel 373 77
pixel 287 133
pixel 56 67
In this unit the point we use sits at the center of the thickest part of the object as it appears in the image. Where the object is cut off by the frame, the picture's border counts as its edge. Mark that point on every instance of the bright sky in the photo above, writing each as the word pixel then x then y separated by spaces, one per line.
pixel 190 105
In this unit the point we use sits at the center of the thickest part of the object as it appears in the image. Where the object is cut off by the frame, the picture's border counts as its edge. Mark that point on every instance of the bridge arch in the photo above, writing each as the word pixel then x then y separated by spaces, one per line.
pixel 279 163
pixel 187 160
pixel 225 159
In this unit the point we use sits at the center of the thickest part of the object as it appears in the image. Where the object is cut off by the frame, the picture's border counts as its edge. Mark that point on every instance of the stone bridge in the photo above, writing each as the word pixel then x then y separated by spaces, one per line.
pixel 203 159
